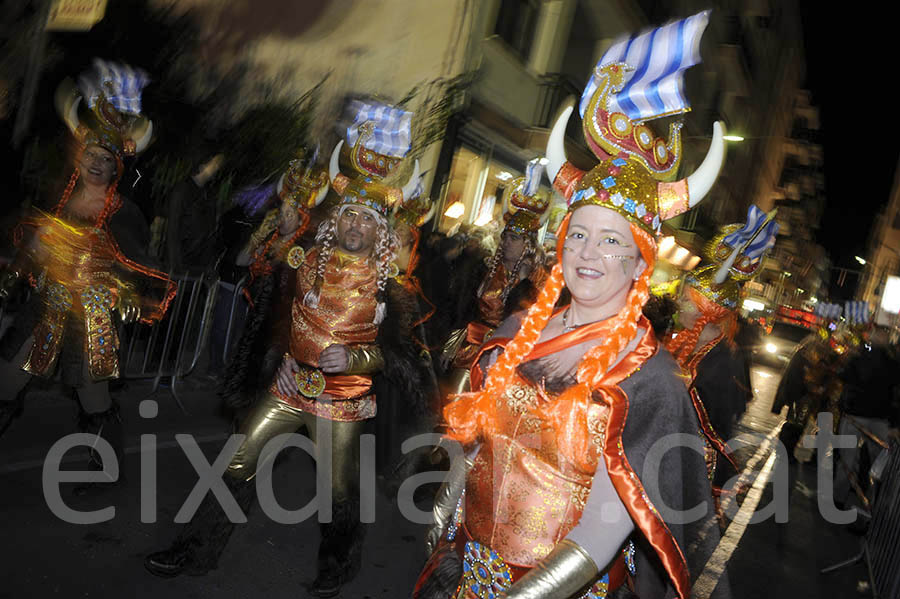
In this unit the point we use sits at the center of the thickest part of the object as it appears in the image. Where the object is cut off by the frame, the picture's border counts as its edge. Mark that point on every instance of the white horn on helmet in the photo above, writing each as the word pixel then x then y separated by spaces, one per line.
pixel 321 195
pixel 682 195
pixel 411 184
pixel 556 142
pixel 701 180
pixel 141 143
pixel 430 213
pixel 334 168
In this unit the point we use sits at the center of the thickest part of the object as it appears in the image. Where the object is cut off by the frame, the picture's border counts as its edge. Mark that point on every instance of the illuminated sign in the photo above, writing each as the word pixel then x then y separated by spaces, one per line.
pixel 890 301
pixel 75 15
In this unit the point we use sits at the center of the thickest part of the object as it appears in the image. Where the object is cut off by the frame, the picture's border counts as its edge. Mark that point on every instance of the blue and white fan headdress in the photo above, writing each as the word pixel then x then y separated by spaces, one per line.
pixel 105 107
pixel 857 312
pixel 739 248
pixel 654 62
pixel 120 84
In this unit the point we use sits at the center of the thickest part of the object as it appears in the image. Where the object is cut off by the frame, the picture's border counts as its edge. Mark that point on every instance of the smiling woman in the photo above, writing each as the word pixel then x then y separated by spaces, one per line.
pixel 570 403
pixel 600 260
pixel 560 495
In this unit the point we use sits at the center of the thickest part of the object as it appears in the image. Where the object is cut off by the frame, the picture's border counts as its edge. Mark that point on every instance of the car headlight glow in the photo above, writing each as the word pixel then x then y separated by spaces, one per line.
pixel 771 348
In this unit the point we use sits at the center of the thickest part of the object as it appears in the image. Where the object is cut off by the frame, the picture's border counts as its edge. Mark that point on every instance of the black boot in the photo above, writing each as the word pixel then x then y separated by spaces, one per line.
pixel 340 550
pixel 107 426
pixel 201 541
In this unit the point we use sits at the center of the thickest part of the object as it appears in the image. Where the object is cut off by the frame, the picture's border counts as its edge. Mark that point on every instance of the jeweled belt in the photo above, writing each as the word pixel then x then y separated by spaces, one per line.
pixel 486 575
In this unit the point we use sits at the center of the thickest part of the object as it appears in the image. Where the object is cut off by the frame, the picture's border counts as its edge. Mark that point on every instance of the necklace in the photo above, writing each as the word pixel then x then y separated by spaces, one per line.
pixel 566 326
pixel 571 327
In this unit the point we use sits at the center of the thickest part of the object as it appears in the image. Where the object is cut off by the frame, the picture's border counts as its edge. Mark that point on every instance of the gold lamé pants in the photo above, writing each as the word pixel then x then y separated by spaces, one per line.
pixel 272 417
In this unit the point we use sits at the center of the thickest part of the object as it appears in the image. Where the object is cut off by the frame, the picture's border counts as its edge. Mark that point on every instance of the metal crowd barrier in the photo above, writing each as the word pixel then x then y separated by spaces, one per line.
pixel 881 545
pixel 171 348
pixel 230 332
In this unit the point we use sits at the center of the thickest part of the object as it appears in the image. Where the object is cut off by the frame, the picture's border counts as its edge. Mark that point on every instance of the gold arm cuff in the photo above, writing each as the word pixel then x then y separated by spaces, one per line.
pixel 566 572
pixel 364 359
pixel 453 343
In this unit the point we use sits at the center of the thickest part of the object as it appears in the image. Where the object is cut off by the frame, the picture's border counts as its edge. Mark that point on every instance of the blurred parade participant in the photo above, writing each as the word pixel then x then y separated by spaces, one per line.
pixel 870 381
pixel 349 321
pixel 273 255
pixel 804 386
pixel 555 500
pixel 192 220
pixel 707 314
pixel 510 283
pixel 79 261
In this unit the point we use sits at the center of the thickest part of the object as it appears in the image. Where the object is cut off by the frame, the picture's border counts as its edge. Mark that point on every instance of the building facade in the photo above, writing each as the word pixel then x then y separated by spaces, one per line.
pixel 883 261
pixel 500 69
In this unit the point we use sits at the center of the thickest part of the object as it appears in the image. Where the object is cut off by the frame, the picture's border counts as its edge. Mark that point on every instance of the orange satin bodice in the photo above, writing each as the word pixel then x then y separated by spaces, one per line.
pixel 522 495
pixel 346 311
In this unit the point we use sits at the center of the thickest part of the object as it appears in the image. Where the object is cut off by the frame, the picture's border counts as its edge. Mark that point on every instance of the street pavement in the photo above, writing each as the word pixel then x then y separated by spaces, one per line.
pixel 46 557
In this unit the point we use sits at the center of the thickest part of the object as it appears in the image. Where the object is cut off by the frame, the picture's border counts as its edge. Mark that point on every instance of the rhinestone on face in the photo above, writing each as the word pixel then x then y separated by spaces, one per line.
pixel 608 182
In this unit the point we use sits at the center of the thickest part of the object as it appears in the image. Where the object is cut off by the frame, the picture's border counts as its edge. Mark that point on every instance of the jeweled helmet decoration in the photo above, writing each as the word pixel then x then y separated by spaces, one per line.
pixel 417 210
pixel 734 255
pixel 378 137
pixel 526 207
pixel 105 108
pixel 303 185
pixel 637 80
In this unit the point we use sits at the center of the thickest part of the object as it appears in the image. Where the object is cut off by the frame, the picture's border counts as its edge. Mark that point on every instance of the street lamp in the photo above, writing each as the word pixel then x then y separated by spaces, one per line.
pixel 860 260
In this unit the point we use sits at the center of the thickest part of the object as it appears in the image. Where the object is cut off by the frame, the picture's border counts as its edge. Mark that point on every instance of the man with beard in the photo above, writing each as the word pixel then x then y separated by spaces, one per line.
pixel 349 320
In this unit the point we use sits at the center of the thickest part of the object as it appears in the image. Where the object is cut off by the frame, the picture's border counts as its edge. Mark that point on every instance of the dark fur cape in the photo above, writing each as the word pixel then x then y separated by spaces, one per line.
pixel 405 370
pixel 406 390
pixel 244 377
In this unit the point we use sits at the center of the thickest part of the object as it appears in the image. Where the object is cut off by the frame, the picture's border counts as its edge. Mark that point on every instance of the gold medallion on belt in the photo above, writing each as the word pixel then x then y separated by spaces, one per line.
pixel 310 381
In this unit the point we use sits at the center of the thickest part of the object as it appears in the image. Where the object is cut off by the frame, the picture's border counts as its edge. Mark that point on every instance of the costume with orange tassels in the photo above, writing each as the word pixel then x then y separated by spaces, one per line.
pixel 549 449
pixel 503 291
pixel 718 373
pixel 74 263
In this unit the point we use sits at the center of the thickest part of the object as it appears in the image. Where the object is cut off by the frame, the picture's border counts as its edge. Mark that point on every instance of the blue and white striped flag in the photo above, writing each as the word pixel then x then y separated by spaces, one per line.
pixel 658 58
pixel 121 84
pixel 391 127
pixel 763 242
pixel 857 312
pixel 533 171
pixel 829 311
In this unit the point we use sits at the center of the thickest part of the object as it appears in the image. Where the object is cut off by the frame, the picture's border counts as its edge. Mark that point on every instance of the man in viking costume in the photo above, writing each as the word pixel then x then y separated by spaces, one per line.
pixel 350 320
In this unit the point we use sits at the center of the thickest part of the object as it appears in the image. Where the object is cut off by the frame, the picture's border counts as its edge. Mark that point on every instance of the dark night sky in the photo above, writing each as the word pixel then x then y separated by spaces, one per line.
pixel 856 97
